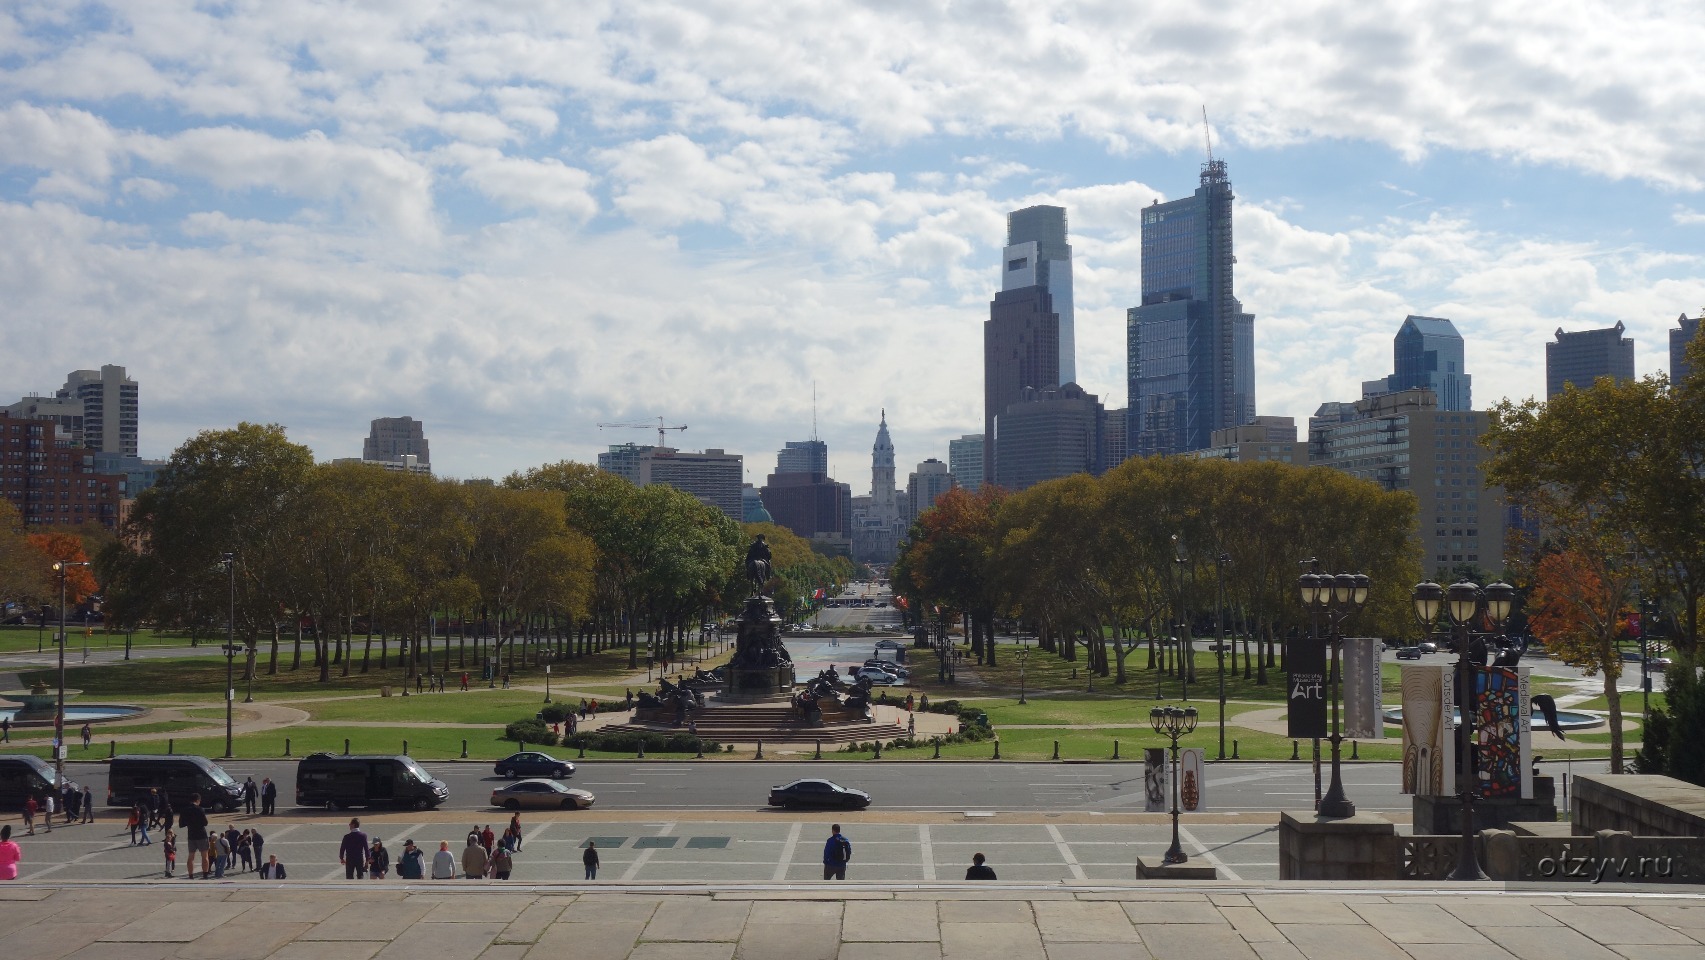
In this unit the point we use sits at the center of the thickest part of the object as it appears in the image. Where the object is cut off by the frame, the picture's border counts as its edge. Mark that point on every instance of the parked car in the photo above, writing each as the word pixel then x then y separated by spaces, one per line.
pixel 541 795
pixel 23 776
pixel 129 778
pixel 532 764
pixel 877 676
pixel 818 793
pixel 1408 653
pixel 891 667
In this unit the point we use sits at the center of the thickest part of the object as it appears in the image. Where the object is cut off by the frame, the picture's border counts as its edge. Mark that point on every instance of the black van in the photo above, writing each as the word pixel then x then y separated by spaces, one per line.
pixel 130 778
pixel 22 775
pixel 338 780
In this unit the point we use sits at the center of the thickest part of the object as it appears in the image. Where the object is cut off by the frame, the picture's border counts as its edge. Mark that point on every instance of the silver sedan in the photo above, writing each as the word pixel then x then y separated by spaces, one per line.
pixel 541 795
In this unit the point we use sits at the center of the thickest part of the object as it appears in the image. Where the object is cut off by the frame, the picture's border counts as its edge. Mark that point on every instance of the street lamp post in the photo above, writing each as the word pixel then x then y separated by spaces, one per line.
pixel 1172 723
pixel 547 683
pixel 229 560
pixel 63 568
pixel 1337 598
pixel 1183 657
pixel 1462 602
pixel 1219 627
pixel 1023 658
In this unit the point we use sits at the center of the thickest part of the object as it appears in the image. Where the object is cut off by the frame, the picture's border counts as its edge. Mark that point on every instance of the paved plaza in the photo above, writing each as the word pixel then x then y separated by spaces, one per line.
pixel 752 850
pixel 1225 921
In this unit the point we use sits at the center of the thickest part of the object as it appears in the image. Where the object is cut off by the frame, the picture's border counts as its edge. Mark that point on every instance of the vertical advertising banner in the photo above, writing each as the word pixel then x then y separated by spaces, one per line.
pixel 1363 710
pixel 1155 784
pixel 1502 729
pixel 1429 731
pixel 1192 780
pixel 1305 657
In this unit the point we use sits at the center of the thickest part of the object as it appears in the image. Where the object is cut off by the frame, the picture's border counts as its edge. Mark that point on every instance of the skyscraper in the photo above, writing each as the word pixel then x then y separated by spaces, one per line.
pixel 927 484
pixel 1048 434
pixel 965 461
pixel 803 456
pixel 110 416
pixel 390 439
pixel 1028 341
pixel 1585 355
pixel 1190 348
pixel 714 477
pixel 1427 352
pixel 1684 333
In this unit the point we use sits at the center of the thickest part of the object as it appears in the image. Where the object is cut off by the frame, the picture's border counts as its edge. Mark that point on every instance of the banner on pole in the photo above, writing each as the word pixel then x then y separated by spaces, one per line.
pixel 1363 712
pixel 1429 729
pixel 1192 780
pixel 1503 722
pixel 1305 658
pixel 1155 781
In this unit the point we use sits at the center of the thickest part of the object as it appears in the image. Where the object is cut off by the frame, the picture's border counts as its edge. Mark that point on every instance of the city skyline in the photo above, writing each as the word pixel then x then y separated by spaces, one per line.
pixel 650 213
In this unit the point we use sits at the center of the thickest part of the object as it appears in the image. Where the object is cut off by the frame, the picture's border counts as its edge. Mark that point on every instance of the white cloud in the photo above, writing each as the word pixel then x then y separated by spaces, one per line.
pixel 1687 217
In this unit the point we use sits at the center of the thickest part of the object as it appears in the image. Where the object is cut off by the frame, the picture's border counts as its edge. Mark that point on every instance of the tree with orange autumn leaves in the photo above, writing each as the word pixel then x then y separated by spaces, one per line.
pixel 1579 608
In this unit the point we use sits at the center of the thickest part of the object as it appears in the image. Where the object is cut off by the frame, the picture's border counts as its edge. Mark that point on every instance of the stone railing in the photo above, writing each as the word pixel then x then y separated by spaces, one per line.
pixel 1610 856
pixel 1643 805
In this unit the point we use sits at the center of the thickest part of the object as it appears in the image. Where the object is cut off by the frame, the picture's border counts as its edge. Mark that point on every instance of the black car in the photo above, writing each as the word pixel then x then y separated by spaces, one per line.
pixel 532 764
pixel 818 793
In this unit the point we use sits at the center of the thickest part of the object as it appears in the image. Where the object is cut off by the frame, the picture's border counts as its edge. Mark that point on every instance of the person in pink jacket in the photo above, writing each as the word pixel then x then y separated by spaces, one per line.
pixel 9 854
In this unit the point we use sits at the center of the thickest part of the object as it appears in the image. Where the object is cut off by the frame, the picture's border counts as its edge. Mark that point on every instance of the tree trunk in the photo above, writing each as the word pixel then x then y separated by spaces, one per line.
pixel 296 656
pixel 1613 699
pixel 272 663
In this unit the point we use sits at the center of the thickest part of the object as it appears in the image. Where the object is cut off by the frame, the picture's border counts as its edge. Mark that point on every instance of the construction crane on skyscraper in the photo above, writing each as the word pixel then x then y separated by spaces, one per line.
pixel 659 427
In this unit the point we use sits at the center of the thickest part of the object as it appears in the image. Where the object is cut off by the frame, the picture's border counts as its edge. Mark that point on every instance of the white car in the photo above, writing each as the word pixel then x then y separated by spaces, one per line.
pixel 876 676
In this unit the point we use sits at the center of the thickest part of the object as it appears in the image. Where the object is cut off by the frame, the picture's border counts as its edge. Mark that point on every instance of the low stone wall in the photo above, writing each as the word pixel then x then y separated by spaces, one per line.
pixel 1362 847
pixel 1443 814
pixel 1646 806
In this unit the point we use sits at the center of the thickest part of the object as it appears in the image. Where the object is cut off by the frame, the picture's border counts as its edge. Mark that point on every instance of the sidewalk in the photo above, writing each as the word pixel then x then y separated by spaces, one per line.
pixel 461 920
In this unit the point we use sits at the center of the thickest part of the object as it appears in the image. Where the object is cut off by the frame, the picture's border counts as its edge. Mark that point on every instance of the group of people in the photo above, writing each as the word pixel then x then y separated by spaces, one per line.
pixel 266 792
pixel 76 806
pixel 837 853
pixel 487 855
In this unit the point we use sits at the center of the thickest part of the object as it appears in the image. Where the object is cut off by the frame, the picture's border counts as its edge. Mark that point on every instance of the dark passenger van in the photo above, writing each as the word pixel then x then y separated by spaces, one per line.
pixel 130 778
pixel 22 776
pixel 336 781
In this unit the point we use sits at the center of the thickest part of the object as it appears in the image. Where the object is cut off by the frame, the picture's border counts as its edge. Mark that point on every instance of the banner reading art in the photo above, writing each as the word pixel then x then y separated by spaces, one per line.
pixel 1192 780
pixel 1363 712
pixel 1305 658
pixel 1155 782
pixel 1429 732
pixel 1503 723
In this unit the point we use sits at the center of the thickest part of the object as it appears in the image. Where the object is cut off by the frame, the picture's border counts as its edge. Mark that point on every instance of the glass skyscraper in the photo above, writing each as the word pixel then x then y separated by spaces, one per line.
pixel 1027 340
pixel 1190 348
pixel 1427 353
pixel 1037 255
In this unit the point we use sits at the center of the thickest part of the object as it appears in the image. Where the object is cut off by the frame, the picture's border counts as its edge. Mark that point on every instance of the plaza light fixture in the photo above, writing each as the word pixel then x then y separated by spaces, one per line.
pixel 1464 601
pixel 63 569
pixel 1173 723
pixel 1336 598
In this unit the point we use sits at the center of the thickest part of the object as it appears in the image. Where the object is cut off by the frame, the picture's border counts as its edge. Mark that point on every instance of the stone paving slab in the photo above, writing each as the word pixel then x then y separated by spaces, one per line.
pixel 829 921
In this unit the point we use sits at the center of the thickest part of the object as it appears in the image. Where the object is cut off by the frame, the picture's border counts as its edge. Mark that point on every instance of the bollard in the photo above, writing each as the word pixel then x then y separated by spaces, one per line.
pixel 1056 755
pixel 1115 749
pixel 878 751
pixel 1234 749
pixel 346 746
pixel 1355 752
pixel 760 755
pixel 700 754
pixel 938 748
pixel 582 751
pixel 819 754
pixel 405 748
pixel 997 749
pixel 287 746
pixel 465 750
pixel 642 748
pixel 112 749
pixel 171 746
pixel 1295 746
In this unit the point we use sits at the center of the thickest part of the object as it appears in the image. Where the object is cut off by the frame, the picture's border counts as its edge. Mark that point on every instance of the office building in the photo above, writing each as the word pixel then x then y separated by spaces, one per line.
pixel 925 485
pixel 1686 332
pixel 110 408
pixel 965 461
pixel 1049 433
pixel 1190 348
pixel 1427 353
pixel 1262 440
pixel 1118 443
pixel 139 474
pixel 1028 338
pixel 715 477
pixel 66 414
pixel 803 456
pixel 406 463
pixel 393 438
pixel 1404 441
pixel 1582 357
pixel 809 504
pixel 52 481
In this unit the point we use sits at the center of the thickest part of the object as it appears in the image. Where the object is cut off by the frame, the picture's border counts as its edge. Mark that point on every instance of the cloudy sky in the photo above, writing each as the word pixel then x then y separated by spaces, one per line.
pixel 513 221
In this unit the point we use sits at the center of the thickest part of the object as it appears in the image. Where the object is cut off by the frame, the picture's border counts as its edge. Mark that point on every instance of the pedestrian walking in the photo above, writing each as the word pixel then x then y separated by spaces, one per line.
pixel 142 826
pixel 272 869
pixel 412 864
pixel 250 793
pixel 502 863
pixel 30 807
pixel 378 860
pixel 10 854
pixel 169 847
pixel 417 683
pixel 134 822
pixel 151 803
pixel 193 822
pixel 443 862
pixel 6 729
pixel 70 801
pixel 353 852
pixel 979 870
pixel 257 841
pixel 464 681
pixel 590 860
pixel 88 805
pixel 515 831
pixel 220 847
pixel 487 839
pixel 474 861
pixel 268 797
pixel 87 735
pixel 47 810
pixel 837 852
pixel 166 814
pixel 246 851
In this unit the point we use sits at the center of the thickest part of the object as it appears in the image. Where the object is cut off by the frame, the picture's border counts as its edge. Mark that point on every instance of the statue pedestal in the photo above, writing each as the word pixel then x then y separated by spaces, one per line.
pixel 761 665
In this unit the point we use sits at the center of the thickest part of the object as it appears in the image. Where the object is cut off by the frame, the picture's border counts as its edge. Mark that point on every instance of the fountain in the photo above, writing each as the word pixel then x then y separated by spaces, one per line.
pixel 40 704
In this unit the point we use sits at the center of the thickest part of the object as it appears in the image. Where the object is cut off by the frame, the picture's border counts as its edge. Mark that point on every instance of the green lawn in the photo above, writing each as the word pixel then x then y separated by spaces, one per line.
pixel 1633 702
pixel 14 639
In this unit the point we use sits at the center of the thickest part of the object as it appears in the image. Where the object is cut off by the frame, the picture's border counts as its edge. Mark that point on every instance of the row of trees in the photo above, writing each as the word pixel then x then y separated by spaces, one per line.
pixel 28 585
pixel 1149 549
pixel 571 558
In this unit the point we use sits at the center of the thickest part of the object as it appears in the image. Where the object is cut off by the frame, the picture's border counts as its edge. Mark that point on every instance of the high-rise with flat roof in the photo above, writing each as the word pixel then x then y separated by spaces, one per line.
pixel 1038 255
pixel 53 481
pixel 390 439
pixel 1190 348
pixel 1427 352
pixel 965 461
pixel 803 456
pixel 1028 339
pixel 1583 356
pixel 714 477
pixel 110 408
pixel 1686 332
pixel 1048 434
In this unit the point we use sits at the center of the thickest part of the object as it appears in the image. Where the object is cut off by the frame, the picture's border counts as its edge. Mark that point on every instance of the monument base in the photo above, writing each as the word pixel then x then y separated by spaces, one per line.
pixel 747 682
